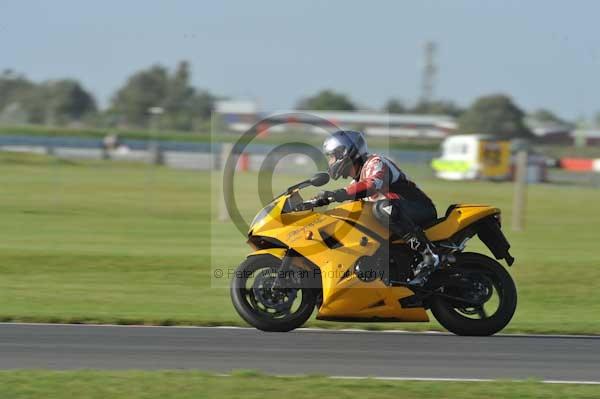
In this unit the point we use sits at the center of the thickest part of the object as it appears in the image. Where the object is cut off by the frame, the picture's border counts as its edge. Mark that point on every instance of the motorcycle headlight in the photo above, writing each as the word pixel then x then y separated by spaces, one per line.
pixel 262 214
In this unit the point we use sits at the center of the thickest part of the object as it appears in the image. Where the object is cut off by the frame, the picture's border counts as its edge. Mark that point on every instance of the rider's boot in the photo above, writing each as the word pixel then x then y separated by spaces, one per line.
pixel 418 241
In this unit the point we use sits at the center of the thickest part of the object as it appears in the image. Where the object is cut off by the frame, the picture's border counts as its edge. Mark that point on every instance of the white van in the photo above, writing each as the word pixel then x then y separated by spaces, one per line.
pixel 473 156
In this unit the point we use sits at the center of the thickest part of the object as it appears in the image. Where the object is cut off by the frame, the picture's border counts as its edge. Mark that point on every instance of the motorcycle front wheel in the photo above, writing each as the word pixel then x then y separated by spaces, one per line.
pixel 489 289
pixel 265 307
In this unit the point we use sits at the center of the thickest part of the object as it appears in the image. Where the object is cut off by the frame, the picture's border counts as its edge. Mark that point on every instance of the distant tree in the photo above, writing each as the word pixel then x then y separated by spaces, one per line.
pixel 33 103
pixel 20 99
pixel 597 120
pixel 494 114
pixel 203 104
pixel 56 101
pixel 66 100
pixel 143 90
pixel 327 100
pixel 439 107
pixel 547 116
pixel 178 89
pixel 183 105
pixel 394 106
pixel 13 87
pixel 581 122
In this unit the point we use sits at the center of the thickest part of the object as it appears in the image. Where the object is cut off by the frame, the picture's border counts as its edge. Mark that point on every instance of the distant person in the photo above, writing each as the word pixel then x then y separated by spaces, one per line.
pixel 112 142
pixel 399 203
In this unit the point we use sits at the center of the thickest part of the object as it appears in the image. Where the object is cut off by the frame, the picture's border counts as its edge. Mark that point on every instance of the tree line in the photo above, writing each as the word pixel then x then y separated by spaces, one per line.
pixel 495 114
pixel 187 108
pixel 66 102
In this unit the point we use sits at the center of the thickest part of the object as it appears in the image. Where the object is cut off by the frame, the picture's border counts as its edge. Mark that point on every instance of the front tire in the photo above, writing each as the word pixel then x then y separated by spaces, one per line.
pixel 269 313
pixel 455 317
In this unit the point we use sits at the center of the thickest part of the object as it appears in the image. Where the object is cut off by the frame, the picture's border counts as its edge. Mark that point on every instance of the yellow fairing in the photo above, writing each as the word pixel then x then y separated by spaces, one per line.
pixel 460 217
pixel 311 234
pixel 352 298
pixel 276 252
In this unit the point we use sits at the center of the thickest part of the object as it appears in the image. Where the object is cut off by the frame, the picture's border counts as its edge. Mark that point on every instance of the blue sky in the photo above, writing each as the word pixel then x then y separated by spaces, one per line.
pixel 543 53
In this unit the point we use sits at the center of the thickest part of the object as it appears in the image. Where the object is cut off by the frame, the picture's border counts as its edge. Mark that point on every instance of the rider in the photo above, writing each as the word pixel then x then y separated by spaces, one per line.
pixel 399 203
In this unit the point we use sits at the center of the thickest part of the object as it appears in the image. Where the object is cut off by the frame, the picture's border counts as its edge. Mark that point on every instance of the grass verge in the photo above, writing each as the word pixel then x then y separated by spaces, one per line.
pixel 247 384
pixel 107 242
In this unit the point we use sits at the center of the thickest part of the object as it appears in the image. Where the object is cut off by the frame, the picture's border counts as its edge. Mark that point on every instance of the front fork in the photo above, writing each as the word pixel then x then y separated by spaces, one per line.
pixel 285 275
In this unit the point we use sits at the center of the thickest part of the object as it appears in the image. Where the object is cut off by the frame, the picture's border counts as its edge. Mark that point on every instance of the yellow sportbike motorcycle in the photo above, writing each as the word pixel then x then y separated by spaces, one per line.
pixel 349 267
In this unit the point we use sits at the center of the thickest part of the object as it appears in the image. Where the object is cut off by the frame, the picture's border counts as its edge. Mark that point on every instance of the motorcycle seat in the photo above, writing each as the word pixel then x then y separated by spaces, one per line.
pixel 439 220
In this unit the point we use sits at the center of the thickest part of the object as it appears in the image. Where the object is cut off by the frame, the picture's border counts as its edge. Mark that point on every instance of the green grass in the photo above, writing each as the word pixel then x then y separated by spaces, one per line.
pixel 185 384
pixel 130 243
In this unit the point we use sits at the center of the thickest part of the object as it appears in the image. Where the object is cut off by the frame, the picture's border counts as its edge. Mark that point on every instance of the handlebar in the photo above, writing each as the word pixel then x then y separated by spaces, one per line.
pixel 306 205
pixel 310 204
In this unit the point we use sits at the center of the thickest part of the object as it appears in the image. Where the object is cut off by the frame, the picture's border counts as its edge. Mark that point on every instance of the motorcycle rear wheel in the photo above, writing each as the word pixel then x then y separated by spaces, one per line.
pixel 268 311
pixel 482 270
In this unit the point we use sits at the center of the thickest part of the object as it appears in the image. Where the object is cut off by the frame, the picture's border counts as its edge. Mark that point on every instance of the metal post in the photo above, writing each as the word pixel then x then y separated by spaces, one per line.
pixel 226 149
pixel 520 191
pixel 429 72
pixel 156 156
pixel 580 137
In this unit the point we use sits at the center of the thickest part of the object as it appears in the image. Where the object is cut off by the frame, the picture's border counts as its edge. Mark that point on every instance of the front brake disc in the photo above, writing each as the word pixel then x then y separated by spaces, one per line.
pixel 280 300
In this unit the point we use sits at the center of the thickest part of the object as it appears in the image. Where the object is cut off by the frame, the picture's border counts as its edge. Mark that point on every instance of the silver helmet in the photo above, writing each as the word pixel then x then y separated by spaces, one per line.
pixel 343 149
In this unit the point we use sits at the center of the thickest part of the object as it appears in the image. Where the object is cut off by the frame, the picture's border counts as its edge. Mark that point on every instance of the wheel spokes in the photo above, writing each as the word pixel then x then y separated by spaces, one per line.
pixel 481 312
pixel 261 296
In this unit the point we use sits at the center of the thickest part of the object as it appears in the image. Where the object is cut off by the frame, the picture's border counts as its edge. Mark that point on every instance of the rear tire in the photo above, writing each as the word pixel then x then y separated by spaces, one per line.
pixel 454 321
pixel 247 307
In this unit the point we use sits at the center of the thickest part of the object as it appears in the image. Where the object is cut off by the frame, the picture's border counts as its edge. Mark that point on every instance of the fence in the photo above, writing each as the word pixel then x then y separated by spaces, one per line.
pixel 176 154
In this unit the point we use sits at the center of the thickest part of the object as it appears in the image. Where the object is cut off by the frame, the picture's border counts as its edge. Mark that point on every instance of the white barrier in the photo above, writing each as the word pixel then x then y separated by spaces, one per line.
pixel 23 148
pixel 129 155
pixel 188 160
pixel 78 153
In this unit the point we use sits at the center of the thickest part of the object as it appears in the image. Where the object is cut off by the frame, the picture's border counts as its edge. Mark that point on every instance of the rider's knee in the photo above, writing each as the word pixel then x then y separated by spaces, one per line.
pixel 382 211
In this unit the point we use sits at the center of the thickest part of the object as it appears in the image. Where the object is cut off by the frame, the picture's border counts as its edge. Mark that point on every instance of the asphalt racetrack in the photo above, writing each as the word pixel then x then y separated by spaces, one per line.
pixel 334 353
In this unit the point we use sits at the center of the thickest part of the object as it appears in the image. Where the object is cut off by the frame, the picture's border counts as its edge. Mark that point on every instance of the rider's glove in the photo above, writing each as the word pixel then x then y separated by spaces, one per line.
pixel 341 195
pixel 326 197
pixel 323 198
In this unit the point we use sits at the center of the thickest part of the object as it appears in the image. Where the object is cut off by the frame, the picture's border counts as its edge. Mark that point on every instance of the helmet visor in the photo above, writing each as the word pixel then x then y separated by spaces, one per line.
pixel 331 158
pixel 335 155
